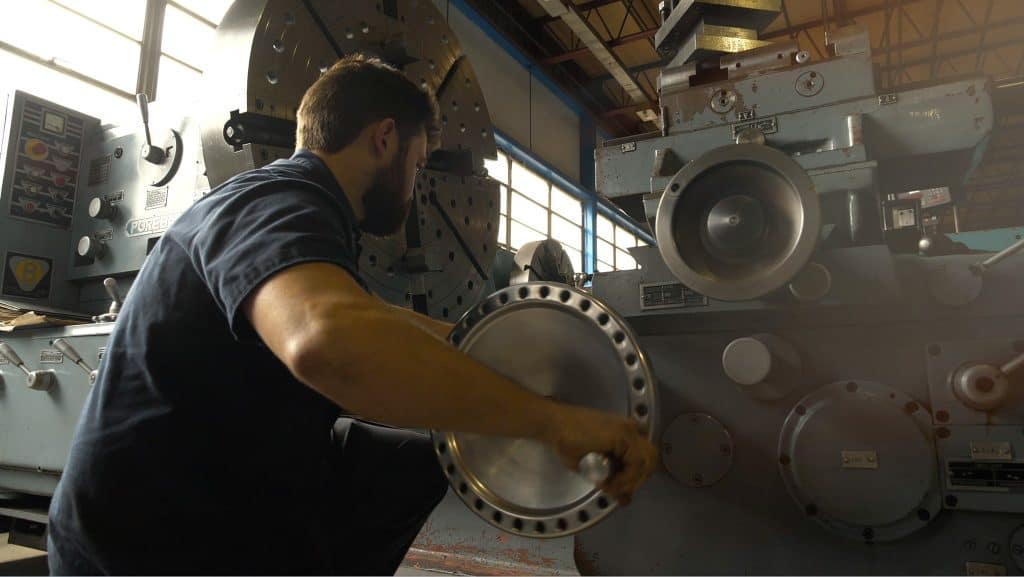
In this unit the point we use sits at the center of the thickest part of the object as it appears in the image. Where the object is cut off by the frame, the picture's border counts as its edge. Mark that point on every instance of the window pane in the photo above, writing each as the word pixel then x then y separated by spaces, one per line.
pixel 604 267
pixel 127 16
pixel 605 228
pixel 504 199
pixel 529 213
pixel 22 74
pixel 503 231
pixel 566 232
pixel 623 238
pixel 186 38
pixel 212 10
pixel 529 183
pixel 566 205
pixel 498 169
pixel 641 243
pixel 72 42
pixel 623 261
pixel 605 251
pixel 522 234
pixel 178 88
pixel 576 258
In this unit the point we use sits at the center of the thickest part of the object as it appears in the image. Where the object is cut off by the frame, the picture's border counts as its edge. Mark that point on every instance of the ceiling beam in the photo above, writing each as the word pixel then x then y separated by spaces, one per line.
pixel 817 23
pixel 580 52
pixel 592 5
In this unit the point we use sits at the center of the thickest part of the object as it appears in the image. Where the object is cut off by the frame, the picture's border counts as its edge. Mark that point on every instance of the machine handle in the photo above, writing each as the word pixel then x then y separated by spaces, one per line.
pixel 9 354
pixel 595 467
pixel 1012 365
pixel 982 267
pixel 143 101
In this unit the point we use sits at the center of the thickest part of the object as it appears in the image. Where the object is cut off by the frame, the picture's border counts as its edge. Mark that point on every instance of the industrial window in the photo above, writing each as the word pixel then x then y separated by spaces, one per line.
pixel 532 208
pixel 613 244
pixel 92 49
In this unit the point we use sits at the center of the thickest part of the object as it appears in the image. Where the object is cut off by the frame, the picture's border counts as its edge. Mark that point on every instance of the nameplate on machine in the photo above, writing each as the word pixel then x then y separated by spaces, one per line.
pixel 766 126
pixel 51 357
pixel 991 451
pixel 156 198
pixel 670 295
pixel 151 225
pixel 859 459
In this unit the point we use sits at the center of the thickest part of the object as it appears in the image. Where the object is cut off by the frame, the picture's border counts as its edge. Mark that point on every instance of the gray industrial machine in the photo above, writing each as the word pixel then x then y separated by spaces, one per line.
pixel 826 400
pixel 831 401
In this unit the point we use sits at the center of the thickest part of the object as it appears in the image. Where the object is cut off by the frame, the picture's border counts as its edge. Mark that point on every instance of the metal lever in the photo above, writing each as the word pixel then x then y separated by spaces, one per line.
pixel 40 380
pixel 65 347
pixel 595 467
pixel 153 154
pixel 982 267
pixel 110 316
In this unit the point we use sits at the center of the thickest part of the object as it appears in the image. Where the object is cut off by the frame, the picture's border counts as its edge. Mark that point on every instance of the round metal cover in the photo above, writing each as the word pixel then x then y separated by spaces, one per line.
pixel 266 55
pixel 696 450
pixel 857 457
pixel 561 343
pixel 738 222
pixel 542 260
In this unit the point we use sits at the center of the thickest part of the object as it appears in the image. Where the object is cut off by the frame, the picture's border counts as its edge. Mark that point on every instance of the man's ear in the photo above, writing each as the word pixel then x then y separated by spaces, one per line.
pixel 385 139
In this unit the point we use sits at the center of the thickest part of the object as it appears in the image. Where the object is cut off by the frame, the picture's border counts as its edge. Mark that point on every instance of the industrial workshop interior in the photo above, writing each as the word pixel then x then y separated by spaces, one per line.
pixel 512 287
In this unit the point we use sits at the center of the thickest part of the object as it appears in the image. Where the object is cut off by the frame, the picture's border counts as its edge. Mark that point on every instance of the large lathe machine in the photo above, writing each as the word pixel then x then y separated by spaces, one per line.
pixel 833 386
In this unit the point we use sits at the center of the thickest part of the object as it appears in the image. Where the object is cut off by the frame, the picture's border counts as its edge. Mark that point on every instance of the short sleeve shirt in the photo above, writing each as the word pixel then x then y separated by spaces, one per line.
pixel 196 440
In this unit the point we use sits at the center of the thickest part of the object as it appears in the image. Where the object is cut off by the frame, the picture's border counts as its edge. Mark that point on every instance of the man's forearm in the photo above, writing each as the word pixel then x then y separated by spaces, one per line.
pixel 433 326
pixel 400 374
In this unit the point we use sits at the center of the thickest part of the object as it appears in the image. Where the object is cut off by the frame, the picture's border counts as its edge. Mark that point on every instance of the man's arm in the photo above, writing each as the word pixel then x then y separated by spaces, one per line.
pixel 433 326
pixel 370 359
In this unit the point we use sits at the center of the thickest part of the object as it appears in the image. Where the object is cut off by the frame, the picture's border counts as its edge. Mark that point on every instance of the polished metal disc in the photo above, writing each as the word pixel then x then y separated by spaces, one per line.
pixel 857 457
pixel 738 222
pixel 561 343
pixel 266 55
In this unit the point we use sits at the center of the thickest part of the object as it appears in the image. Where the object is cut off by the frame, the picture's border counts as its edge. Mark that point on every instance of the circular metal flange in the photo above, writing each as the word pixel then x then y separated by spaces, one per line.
pixel 564 344
pixel 809 83
pixel 723 100
pixel 696 450
pixel 858 458
pixel 738 222
pixel 268 53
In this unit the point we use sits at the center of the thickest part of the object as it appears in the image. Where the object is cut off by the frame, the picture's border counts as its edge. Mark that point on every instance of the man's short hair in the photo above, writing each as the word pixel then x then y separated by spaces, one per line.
pixel 353 94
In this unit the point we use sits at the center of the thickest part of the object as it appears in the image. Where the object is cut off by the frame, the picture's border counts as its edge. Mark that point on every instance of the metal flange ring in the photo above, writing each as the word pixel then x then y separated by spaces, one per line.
pixel 560 343
pixel 738 222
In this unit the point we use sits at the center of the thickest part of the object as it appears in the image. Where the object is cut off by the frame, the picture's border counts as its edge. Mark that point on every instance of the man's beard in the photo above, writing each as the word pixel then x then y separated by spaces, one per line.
pixel 386 203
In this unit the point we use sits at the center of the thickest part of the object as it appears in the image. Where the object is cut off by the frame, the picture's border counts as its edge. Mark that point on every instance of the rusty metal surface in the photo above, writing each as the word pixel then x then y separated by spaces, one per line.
pixel 455 541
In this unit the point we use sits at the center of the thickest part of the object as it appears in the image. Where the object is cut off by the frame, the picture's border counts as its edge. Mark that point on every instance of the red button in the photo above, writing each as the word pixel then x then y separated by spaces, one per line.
pixel 39 149
pixel 59 180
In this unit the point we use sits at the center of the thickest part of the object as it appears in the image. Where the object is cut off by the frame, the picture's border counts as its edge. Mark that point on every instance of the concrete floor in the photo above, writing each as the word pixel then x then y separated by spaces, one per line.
pixel 15 560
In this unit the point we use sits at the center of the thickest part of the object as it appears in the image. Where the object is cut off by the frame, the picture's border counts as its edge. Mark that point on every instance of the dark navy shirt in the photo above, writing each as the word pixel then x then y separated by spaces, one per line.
pixel 198 451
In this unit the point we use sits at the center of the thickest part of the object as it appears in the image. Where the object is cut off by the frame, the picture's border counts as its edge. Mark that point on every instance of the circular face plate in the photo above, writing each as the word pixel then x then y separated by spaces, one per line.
pixel 696 450
pixel 563 344
pixel 268 53
pixel 791 211
pixel 857 457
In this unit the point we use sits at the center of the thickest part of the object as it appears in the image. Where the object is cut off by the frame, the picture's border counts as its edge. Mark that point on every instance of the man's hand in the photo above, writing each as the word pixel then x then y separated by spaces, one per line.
pixel 634 458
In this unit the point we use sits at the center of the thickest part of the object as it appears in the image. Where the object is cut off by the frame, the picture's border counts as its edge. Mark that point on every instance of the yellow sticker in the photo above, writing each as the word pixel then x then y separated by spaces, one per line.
pixel 36 149
pixel 28 271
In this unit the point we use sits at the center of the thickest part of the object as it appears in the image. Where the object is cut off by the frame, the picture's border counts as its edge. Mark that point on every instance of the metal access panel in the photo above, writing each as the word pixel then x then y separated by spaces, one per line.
pixel 42 156
pixel 861 462
pixel 36 426
pixel 127 203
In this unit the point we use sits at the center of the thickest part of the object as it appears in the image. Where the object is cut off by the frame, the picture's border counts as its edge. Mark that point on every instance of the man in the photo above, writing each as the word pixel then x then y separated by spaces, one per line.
pixel 209 443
